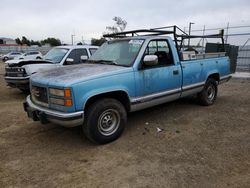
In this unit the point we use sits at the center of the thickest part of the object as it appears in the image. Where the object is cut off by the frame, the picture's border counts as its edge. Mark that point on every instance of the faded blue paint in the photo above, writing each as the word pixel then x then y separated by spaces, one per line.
pixel 119 82
pixel 88 80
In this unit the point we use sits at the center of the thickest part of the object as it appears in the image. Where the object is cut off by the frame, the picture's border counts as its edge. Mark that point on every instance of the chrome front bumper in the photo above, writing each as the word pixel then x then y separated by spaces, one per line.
pixel 45 115
pixel 19 82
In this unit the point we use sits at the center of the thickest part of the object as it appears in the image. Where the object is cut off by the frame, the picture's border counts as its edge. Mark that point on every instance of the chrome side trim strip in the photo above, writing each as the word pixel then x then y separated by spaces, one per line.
pixel 191 91
pixel 154 96
pixel 225 77
pixel 154 102
pixel 165 96
pixel 193 86
pixel 53 112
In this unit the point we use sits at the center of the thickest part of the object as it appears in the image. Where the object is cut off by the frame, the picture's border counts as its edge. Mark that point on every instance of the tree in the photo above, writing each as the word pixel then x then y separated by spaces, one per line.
pixel 119 26
pixel 18 41
pixel 25 41
pixel 35 43
pixel 98 42
pixel 51 41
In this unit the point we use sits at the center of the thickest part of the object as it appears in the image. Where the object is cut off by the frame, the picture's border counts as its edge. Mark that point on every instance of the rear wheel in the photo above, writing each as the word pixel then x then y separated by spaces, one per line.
pixel 104 121
pixel 209 93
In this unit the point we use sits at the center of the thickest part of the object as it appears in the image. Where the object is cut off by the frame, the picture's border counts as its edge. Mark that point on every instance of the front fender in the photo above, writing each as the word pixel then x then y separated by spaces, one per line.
pixel 84 91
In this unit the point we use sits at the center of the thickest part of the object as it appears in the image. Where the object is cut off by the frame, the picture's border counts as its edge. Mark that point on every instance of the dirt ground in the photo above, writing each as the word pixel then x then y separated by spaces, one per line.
pixel 197 147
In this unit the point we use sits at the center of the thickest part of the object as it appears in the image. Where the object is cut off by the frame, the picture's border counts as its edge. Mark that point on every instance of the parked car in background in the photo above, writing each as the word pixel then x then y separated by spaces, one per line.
pixel 11 55
pixel 18 71
pixel 31 55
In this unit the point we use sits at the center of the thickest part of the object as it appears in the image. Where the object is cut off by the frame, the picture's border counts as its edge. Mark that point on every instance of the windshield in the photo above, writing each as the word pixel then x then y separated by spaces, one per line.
pixel 118 52
pixel 56 55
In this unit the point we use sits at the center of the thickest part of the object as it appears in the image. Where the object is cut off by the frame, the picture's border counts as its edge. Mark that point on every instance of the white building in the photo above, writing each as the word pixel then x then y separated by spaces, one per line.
pixel 7 41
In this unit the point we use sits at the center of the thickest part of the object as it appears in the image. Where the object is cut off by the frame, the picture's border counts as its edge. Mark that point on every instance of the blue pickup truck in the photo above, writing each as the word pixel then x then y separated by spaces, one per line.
pixel 124 75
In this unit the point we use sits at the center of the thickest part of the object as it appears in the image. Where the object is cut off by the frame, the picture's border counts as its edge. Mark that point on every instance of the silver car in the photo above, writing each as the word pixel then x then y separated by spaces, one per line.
pixel 31 55
pixel 11 55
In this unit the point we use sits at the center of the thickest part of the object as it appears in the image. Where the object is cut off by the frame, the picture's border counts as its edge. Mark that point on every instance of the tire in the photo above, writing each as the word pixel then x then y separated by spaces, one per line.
pixel 5 59
pixel 25 91
pixel 104 121
pixel 209 93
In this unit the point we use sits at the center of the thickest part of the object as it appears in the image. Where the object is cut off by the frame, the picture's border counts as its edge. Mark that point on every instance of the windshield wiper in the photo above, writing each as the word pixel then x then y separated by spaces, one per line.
pixel 102 61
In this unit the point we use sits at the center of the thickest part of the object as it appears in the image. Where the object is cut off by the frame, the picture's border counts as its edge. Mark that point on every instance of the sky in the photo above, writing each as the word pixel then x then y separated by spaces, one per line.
pixel 88 19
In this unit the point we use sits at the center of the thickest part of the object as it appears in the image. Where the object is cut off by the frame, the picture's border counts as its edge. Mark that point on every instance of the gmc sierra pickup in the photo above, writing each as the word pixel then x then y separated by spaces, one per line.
pixel 124 75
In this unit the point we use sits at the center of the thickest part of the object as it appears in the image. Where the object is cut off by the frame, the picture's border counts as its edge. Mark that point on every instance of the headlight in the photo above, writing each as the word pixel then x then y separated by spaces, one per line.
pixel 60 92
pixel 57 101
pixel 20 69
pixel 56 92
pixel 61 96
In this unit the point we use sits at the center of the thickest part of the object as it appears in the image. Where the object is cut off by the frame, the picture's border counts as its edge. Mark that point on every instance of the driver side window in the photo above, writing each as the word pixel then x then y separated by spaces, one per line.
pixel 76 55
pixel 161 49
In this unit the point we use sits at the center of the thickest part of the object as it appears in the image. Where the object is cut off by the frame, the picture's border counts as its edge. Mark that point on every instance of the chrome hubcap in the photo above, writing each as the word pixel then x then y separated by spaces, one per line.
pixel 210 92
pixel 108 122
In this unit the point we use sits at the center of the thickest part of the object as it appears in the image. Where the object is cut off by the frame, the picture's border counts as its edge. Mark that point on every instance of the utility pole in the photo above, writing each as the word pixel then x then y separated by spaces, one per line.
pixel 72 39
pixel 227 33
pixel 189 32
pixel 203 38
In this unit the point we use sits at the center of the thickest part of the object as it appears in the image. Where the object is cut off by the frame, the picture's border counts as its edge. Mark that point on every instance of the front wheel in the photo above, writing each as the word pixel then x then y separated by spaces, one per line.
pixel 25 91
pixel 104 121
pixel 209 93
pixel 5 59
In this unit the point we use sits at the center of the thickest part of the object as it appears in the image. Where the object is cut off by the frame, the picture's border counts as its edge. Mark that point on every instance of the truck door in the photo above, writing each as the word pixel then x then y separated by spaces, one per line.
pixel 193 80
pixel 161 81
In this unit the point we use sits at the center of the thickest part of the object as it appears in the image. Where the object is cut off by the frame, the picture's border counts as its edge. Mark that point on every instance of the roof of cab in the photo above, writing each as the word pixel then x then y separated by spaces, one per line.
pixel 77 46
pixel 142 37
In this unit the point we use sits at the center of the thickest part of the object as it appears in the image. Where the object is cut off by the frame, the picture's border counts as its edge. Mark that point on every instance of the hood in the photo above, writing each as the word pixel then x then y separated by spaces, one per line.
pixel 68 75
pixel 21 62
pixel 34 68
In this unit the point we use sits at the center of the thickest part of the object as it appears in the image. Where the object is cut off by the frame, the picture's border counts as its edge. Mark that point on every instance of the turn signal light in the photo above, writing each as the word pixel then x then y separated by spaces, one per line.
pixel 68 102
pixel 67 93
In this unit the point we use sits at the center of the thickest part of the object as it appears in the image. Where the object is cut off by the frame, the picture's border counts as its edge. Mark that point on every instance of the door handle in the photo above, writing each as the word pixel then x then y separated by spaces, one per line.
pixel 175 72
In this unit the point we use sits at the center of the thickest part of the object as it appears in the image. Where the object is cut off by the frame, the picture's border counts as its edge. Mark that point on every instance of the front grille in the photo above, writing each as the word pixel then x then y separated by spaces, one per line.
pixel 39 95
pixel 15 72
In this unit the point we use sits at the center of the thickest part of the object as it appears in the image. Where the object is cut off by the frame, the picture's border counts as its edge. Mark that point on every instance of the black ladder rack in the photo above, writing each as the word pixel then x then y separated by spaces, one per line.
pixel 178 34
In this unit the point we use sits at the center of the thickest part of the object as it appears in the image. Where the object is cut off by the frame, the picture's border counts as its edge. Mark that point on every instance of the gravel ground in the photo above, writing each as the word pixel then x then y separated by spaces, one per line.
pixel 197 147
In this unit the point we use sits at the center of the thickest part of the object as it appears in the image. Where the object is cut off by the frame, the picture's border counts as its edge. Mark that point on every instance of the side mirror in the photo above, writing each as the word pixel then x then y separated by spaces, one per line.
pixel 69 61
pixel 150 60
pixel 84 57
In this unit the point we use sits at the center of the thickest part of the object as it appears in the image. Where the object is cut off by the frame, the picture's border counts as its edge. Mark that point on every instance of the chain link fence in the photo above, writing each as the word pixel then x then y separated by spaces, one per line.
pixel 243 60
pixel 7 49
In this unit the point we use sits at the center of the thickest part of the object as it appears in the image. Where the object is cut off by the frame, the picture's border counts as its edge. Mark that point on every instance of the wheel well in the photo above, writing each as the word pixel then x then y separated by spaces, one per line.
pixel 215 76
pixel 121 96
